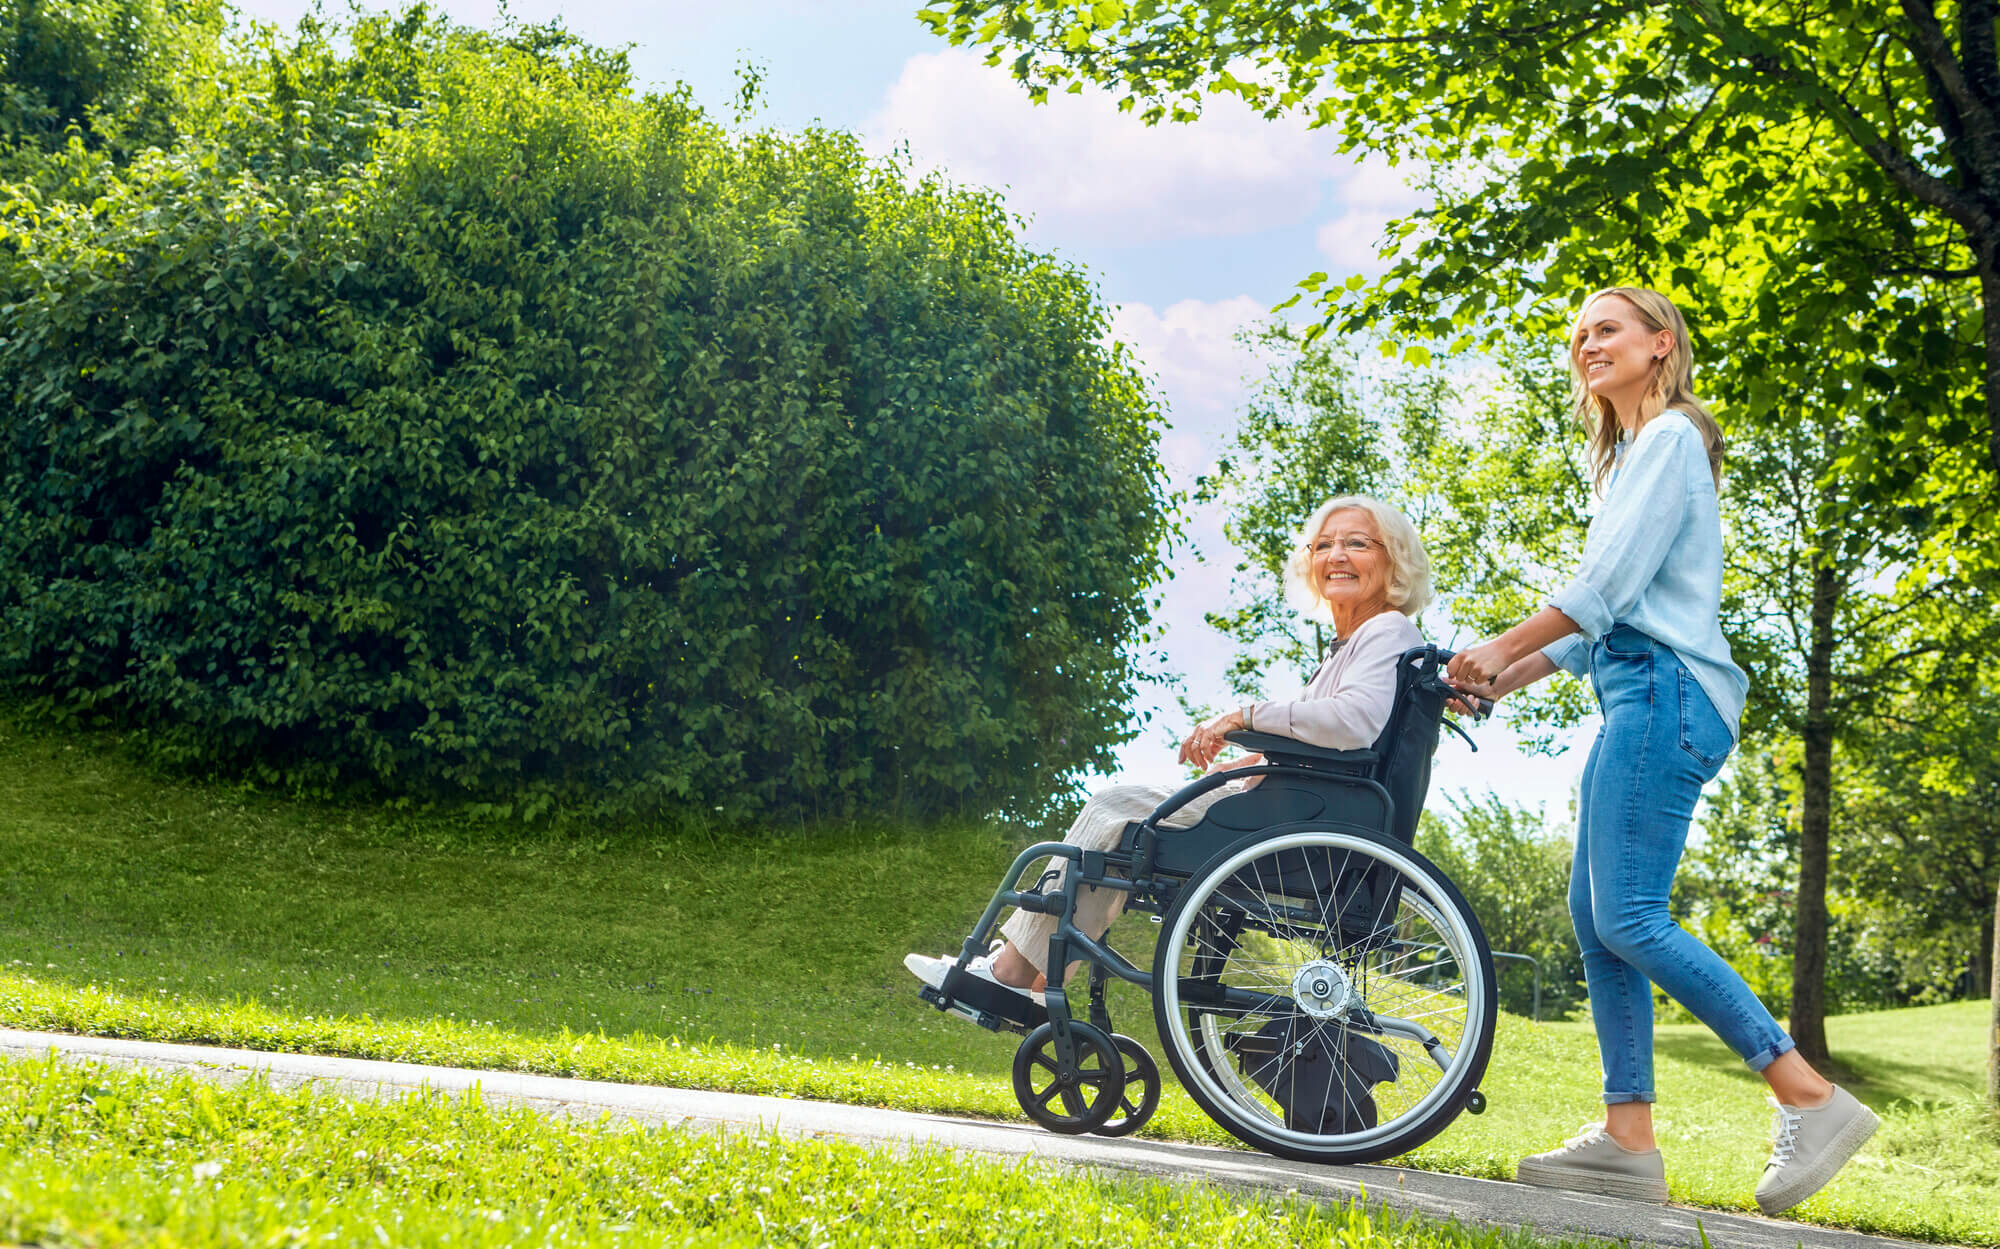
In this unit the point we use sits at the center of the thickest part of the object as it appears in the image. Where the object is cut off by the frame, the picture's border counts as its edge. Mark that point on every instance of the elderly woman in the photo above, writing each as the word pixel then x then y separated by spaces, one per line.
pixel 1360 565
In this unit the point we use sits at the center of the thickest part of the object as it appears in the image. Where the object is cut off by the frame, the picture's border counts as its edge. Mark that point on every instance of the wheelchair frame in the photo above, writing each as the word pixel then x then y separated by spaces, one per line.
pixel 1108 1083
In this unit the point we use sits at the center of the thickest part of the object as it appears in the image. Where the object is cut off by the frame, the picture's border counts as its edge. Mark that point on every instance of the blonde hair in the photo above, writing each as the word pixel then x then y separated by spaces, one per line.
pixel 1671 388
pixel 1409 565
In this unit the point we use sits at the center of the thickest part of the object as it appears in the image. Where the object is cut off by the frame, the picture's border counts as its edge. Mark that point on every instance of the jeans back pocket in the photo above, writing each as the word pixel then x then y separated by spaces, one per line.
pixel 1703 734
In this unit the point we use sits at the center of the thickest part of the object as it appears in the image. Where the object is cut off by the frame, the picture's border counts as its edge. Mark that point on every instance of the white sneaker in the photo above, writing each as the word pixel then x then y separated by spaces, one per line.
pixel 1592 1162
pixel 1808 1145
pixel 932 972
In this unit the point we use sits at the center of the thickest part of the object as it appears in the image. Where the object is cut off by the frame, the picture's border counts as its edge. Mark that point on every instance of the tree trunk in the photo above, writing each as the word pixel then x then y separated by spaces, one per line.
pixel 1993 1034
pixel 1982 963
pixel 1989 301
pixel 1808 1021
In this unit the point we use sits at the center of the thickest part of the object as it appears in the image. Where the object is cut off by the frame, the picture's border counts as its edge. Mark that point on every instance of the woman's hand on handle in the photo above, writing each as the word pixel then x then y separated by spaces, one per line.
pixel 1476 668
pixel 1513 659
pixel 1469 695
pixel 1205 743
pixel 1519 675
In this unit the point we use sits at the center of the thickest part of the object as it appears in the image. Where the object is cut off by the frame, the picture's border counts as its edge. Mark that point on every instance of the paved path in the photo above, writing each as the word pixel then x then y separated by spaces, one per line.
pixel 1481 1201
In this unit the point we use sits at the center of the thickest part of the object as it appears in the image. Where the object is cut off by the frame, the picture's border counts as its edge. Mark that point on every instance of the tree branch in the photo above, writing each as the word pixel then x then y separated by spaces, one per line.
pixel 1760 53
pixel 1977 125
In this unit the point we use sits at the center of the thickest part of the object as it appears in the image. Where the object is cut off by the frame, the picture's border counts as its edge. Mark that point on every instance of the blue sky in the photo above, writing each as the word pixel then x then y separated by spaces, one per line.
pixel 1192 232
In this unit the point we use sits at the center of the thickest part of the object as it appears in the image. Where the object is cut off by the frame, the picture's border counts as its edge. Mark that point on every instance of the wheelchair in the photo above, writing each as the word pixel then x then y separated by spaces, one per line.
pixel 1321 990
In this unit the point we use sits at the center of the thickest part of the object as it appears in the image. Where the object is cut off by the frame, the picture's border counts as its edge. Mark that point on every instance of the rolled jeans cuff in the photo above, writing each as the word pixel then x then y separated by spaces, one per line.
pixel 1619 1099
pixel 1762 1060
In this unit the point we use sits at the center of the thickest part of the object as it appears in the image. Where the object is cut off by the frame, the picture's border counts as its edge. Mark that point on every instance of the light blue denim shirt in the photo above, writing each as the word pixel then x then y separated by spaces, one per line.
pixel 1653 560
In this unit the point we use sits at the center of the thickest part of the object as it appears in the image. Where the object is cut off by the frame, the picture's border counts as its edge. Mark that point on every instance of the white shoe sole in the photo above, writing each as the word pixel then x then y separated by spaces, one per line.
pixel 1585 1180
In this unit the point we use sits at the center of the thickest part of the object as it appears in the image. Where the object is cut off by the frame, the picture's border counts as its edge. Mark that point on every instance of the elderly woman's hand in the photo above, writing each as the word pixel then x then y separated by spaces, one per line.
pixel 1205 743
pixel 1466 703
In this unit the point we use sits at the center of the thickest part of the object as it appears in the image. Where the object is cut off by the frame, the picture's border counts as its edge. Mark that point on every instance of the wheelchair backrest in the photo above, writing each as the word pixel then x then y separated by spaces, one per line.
pixel 1407 743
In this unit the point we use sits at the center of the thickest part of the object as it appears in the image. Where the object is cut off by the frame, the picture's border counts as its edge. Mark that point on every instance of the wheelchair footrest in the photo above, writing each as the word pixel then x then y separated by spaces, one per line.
pixel 986 1004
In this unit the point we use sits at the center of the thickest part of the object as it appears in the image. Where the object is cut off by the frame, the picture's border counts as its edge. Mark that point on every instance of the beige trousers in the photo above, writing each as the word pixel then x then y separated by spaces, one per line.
pixel 1098 827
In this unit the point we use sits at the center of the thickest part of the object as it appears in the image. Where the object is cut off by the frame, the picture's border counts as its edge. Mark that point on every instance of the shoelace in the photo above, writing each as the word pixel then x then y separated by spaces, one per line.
pixel 1784 1134
pixel 1585 1135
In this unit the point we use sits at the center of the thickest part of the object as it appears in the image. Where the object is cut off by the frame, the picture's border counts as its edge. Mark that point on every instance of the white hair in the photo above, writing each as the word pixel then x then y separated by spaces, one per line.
pixel 1409 567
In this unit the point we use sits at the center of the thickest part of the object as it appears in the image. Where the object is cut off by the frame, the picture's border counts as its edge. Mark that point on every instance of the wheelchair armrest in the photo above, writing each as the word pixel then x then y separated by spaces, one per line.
pixel 1274 746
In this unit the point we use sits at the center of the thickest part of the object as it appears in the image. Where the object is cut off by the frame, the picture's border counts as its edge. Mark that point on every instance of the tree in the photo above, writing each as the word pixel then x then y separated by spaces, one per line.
pixel 1506 509
pixel 112 73
pixel 1993 1030
pixel 439 416
pixel 1837 644
pixel 1920 840
pixel 1512 863
pixel 1304 437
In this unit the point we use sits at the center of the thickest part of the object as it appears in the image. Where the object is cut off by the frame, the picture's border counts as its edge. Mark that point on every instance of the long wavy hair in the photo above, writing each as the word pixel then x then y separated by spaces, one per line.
pixel 1671 386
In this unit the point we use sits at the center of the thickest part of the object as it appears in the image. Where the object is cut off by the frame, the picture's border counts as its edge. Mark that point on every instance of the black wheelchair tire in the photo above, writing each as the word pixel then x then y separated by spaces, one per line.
pixel 1140 1096
pixel 1206 1074
pixel 1086 1106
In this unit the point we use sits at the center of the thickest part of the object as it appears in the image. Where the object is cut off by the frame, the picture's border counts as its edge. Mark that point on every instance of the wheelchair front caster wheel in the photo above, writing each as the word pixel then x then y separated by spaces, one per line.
pixel 1138 1096
pixel 1475 1102
pixel 1071 1098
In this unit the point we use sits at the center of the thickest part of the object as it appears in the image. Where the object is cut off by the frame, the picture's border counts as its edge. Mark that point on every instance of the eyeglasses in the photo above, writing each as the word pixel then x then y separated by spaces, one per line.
pixel 1353 544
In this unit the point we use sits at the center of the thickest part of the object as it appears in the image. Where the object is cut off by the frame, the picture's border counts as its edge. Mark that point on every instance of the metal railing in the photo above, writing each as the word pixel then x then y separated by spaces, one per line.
pixel 1534 962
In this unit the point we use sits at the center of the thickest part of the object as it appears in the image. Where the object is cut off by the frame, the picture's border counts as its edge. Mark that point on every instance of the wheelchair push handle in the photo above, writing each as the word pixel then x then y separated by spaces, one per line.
pixel 1478 708
pixel 1431 677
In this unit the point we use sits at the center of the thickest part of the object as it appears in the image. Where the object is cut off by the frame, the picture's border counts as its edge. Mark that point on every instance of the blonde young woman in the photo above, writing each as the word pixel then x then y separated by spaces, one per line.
pixel 1640 622
pixel 1358 564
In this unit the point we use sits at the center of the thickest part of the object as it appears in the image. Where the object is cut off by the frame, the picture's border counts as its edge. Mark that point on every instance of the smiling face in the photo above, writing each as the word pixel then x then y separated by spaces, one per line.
pixel 1350 566
pixel 1615 352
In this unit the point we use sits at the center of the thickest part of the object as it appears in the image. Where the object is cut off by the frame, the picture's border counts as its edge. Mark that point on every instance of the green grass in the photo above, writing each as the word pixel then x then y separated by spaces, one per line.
pixel 100 1157
pixel 136 906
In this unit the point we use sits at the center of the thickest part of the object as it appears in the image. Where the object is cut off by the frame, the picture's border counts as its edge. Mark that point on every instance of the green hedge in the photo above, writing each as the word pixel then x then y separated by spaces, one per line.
pixel 548 445
pixel 110 72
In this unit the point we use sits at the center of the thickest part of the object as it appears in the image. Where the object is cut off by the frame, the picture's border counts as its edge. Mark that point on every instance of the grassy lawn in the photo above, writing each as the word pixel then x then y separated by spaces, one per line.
pixel 109 1158
pixel 132 905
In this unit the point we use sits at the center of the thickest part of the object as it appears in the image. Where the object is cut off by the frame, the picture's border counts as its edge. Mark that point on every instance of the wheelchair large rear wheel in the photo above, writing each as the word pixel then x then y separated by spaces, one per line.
pixel 1325 994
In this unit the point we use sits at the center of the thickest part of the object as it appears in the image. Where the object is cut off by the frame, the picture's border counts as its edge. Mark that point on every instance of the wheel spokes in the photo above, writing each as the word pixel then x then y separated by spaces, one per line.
pixel 1258 922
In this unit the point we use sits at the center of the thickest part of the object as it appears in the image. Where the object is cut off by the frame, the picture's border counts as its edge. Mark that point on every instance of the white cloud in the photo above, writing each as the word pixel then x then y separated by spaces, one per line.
pixel 1189 348
pixel 1203 374
pixel 1089 174
pixel 1372 194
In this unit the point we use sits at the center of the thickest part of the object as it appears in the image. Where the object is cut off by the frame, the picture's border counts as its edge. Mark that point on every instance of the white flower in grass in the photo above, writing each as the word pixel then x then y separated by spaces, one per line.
pixel 207 1170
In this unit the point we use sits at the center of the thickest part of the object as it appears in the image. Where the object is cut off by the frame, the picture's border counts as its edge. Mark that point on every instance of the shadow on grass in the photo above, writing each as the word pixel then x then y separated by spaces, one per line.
pixel 1922 1055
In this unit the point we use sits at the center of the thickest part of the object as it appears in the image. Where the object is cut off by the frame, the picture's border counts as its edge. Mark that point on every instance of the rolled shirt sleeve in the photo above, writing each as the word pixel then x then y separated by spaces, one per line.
pixel 1630 537
pixel 1571 653
pixel 1354 713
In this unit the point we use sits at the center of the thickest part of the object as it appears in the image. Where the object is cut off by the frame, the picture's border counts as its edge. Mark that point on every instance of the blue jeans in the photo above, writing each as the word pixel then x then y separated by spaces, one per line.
pixel 1662 741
